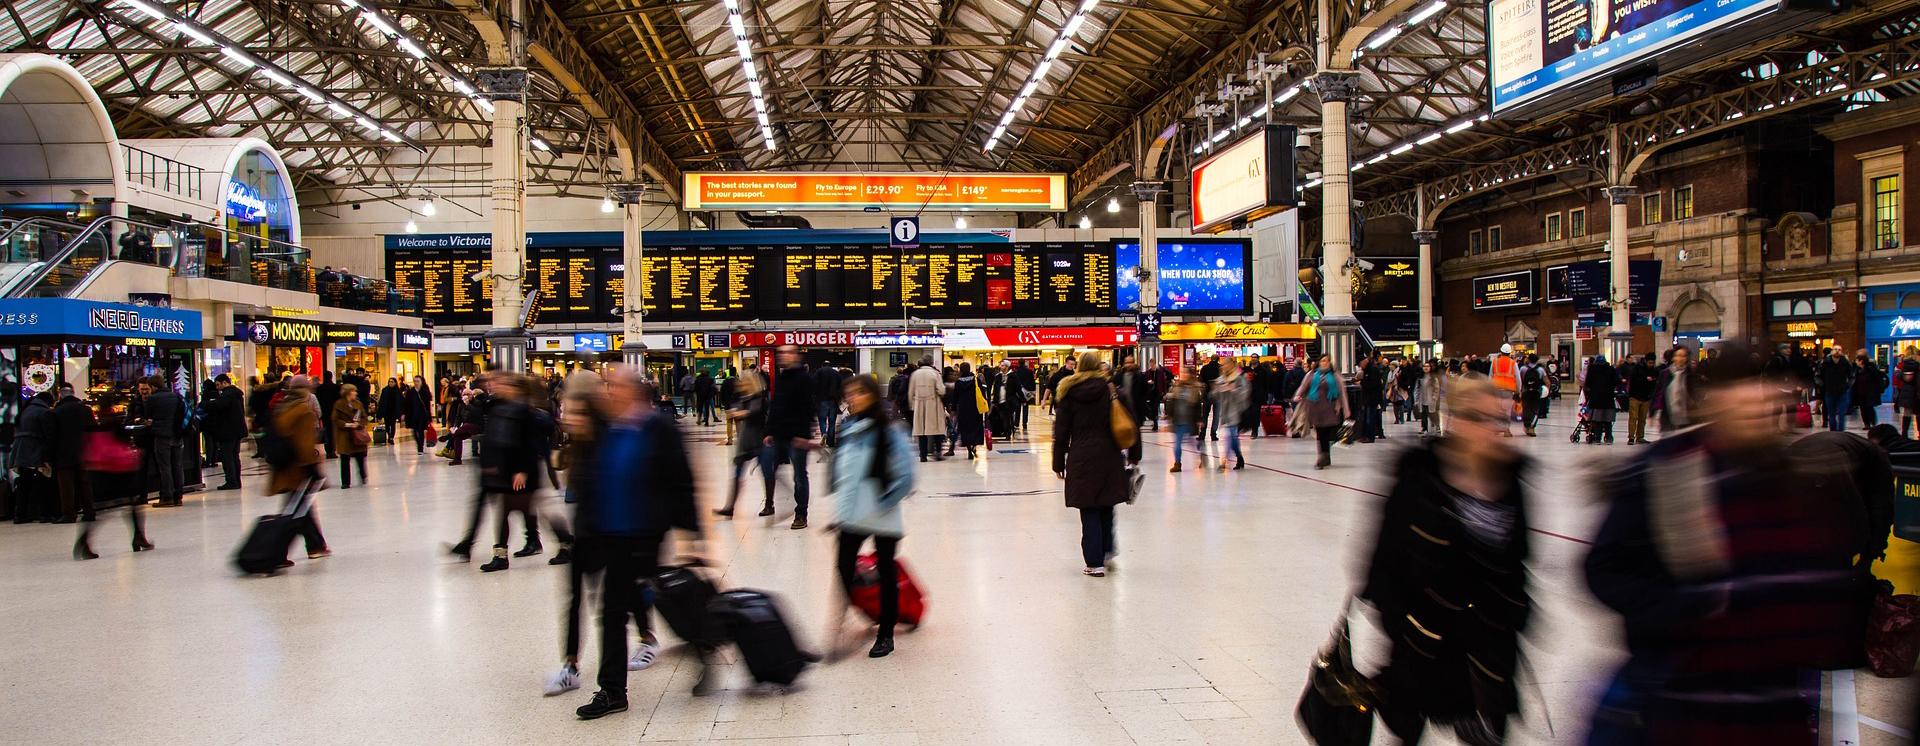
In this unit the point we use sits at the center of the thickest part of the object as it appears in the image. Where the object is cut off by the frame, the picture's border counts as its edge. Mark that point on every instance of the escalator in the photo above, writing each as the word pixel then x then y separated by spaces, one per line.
pixel 137 256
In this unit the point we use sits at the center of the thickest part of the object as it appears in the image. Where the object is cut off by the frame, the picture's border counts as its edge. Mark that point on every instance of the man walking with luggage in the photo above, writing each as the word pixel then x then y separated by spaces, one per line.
pixel 630 486
pixel 790 429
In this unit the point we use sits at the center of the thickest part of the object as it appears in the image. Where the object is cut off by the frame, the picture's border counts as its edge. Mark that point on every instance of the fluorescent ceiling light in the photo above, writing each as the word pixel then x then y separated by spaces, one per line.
pixel 753 87
pixel 484 104
pixel 1073 25
pixel 465 88
pixel 373 19
pixel 338 110
pixel 1461 127
pixel 1218 136
pixel 1089 5
pixel 1383 38
pixel 1376 159
pixel 145 8
pixel 238 56
pixel 275 76
pixel 763 119
pixel 1260 112
pixel 1028 90
pixel 732 5
pixel 311 94
pixel 189 30
pixel 739 27
pixel 539 144
pixel 1403 147
pixel 411 48
pixel 1429 137
pixel 1287 95
pixel 1040 73
pixel 992 143
pixel 1059 45
pixel 1427 12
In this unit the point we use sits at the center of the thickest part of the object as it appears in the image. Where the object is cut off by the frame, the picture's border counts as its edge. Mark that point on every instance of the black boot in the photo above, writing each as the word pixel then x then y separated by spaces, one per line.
pixel 882 646
pixel 563 556
pixel 83 552
pixel 499 561
pixel 529 550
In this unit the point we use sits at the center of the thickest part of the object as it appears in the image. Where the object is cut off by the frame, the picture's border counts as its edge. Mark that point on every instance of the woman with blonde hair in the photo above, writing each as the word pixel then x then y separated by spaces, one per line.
pixel 748 415
pixel 1086 455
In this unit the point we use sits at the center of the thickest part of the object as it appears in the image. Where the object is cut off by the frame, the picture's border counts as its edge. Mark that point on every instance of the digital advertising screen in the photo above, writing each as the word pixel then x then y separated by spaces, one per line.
pixel 1536 48
pixel 1505 290
pixel 1393 284
pixel 1587 284
pixel 1197 275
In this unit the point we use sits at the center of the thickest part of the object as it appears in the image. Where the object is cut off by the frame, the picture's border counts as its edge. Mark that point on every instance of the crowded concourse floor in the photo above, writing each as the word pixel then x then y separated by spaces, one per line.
pixel 1226 584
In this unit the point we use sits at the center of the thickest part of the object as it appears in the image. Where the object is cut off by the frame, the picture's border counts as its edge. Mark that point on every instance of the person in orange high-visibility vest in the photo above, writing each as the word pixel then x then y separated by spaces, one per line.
pixel 1506 373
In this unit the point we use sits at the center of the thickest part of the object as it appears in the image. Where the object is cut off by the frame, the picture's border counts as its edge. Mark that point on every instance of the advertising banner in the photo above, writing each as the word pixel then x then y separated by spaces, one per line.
pixel 73 317
pixel 1245 180
pixel 1587 284
pixel 1042 336
pixel 1392 285
pixel 908 192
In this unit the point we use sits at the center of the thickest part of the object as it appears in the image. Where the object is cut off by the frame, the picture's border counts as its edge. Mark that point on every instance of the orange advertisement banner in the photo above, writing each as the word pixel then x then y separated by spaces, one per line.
pixel 886 191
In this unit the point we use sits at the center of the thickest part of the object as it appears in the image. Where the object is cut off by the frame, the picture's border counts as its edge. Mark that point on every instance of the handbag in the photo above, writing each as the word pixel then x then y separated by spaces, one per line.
pixel 106 453
pixel 432 435
pixel 360 436
pixel 1125 433
pixel 1336 709
pixel 1135 480
pixel 979 400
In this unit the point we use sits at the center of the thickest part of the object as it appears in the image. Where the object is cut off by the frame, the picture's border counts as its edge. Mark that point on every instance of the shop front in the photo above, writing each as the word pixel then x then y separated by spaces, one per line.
pixel 1043 348
pixel 284 346
pixel 817 348
pixel 1193 344
pixel 412 353
pixel 1804 320
pixel 103 349
pixel 361 348
pixel 1893 323
pixel 884 353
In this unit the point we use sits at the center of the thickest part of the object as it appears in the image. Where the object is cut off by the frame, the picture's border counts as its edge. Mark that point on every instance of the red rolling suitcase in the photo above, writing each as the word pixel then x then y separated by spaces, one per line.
pixel 866 591
pixel 1803 416
pixel 1273 419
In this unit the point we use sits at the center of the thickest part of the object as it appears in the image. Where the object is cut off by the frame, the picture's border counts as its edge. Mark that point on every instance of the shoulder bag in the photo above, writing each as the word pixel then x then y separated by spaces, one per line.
pixel 1337 707
pixel 1125 433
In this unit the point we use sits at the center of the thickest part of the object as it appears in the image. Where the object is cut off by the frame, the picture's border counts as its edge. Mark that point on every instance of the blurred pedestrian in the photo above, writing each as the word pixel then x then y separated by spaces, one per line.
pixel 1733 579
pixel 872 475
pixel 630 488
pixel 350 434
pixel 34 438
pixel 1208 374
pixel 1429 396
pixel 748 416
pixel 1094 466
pixel 1601 388
pixel 1834 380
pixel 1447 574
pixel 328 394
pixel 475 404
pixel 1869 385
pixel 790 429
pixel 1370 382
pixel 511 454
pixel 1906 397
pixel 295 420
pixel 826 385
pixel 925 392
pixel 1323 406
pixel 703 393
pixel 1184 410
pixel 1232 395
pixel 73 424
pixel 969 423
pixel 1677 392
pixel 1643 379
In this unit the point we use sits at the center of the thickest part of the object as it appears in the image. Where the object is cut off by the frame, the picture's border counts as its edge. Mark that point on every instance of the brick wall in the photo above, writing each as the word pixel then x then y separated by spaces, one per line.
pixel 1847 187
pixel 1849 321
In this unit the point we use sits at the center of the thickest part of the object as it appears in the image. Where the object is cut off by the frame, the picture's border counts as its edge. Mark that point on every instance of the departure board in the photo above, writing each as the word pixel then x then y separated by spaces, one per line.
pixel 776 282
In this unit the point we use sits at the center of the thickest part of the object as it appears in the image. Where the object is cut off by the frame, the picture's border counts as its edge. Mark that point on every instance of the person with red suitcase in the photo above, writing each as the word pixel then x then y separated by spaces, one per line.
pixel 872 475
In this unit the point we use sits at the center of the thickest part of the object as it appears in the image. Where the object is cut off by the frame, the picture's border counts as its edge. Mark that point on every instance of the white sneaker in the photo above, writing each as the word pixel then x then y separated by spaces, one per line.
pixel 643 657
pixel 562 681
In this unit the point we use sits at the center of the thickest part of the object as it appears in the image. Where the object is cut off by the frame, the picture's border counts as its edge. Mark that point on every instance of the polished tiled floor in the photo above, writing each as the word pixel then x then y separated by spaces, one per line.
pixel 1228 582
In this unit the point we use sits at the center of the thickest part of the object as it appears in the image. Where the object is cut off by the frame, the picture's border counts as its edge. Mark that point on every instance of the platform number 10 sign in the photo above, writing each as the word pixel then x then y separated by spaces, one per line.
pixel 903 233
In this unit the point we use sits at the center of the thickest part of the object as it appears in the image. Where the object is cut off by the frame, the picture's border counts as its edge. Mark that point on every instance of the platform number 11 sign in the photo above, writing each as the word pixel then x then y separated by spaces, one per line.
pixel 903 233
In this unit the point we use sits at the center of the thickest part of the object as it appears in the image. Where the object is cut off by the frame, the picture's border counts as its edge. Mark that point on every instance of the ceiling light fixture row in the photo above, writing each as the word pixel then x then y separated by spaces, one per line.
pixel 386 27
pixel 1060 42
pixel 1257 116
pixel 744 47
pixel 279 77
pixel 1393 31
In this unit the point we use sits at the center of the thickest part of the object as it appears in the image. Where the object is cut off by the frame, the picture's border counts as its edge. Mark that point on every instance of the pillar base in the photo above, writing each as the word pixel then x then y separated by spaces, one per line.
pixel 509 350
pixel 1425 348
pixel 1619 346
pixel 1340 337
pixel 1148 354
pixel 634 354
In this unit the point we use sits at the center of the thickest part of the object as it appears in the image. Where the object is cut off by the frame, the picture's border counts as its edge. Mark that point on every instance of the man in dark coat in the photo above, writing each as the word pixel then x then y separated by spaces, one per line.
pixel 1834 380
pixel 826 386
pixel 33 442
pixel 1643 378
pixel 1210 418
pixel 328 393
pixel 72 420
pixel 1373 390
pixel 225 425
pixel 790 428
pixel 1022 384
pixel 163 413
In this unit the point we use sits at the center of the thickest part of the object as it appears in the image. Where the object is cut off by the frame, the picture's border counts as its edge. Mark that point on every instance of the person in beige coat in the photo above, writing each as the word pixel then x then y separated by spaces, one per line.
pixel 926 394
pixel 350 434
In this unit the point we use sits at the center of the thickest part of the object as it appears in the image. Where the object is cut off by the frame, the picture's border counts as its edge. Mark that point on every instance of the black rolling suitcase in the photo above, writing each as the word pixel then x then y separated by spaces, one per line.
pixel 754 623
pixel 265 547
pixel 682 597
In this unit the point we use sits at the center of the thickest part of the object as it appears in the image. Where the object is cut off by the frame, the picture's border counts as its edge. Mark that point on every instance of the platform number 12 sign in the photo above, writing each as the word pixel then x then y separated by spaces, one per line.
pixel 903 233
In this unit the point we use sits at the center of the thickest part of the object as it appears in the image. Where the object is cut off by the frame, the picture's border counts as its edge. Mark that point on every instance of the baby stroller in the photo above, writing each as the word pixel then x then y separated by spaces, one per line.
pixel 1583 424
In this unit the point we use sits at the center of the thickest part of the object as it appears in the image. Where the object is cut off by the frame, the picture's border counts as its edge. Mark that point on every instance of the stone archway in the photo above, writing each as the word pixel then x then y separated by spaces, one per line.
pixel 57 144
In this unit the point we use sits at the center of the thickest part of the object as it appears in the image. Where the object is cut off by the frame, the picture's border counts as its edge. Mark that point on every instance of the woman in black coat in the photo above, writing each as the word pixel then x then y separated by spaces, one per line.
pixel 1087 457
pixel 1448 574
pixel 969 423
pixel 388 408
pixel 416 408
pixel 1602 389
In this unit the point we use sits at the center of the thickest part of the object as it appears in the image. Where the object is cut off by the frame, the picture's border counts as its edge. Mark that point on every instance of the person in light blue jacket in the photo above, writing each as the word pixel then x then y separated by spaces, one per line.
pixel 872 475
